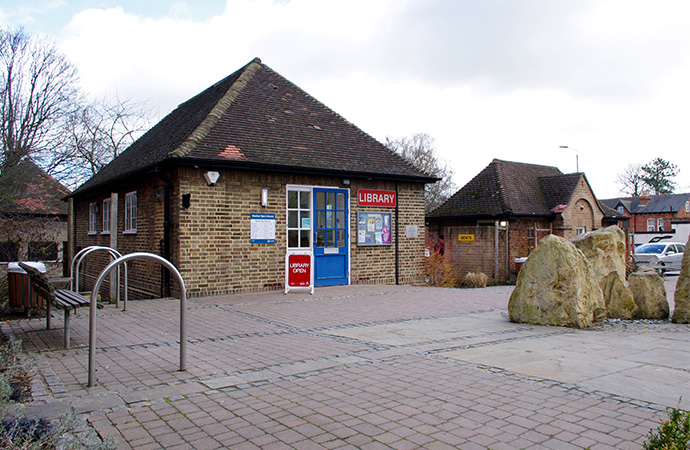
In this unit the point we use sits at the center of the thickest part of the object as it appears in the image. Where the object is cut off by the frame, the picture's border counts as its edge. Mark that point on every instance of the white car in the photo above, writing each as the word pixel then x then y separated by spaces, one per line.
pixel 660 256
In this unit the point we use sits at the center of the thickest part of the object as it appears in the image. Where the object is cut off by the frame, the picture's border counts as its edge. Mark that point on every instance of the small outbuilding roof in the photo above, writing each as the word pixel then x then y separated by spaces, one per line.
pixel 511 189
pixel 255 119
pixel 28 190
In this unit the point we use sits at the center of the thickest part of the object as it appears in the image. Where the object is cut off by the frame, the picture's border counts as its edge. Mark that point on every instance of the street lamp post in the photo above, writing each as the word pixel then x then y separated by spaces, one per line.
pixel 577 161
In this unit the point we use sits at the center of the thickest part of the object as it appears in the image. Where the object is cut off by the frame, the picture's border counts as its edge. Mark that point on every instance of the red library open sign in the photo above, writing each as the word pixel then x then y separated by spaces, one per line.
pixel 299 271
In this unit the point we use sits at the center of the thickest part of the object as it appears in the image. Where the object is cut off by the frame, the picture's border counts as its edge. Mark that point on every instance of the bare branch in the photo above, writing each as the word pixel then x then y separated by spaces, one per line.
pixel 420 150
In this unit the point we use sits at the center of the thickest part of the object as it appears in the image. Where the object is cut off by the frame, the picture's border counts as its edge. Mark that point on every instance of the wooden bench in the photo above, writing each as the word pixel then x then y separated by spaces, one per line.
pixel 61 298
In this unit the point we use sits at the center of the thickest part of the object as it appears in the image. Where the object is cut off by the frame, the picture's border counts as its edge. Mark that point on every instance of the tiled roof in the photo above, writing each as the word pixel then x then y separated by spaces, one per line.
pixel 657 203
pixel 257 119
pixel 506 188
pixel 27 189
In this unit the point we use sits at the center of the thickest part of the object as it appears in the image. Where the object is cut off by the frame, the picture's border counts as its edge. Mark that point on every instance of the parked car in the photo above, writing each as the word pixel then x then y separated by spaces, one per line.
pixel 660 256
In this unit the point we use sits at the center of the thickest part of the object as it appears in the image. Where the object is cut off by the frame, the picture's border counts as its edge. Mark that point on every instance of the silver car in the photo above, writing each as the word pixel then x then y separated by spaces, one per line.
pixel 660 256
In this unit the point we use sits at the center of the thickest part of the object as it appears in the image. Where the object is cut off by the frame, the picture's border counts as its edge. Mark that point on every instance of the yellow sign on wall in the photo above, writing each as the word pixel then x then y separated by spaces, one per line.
pixel 466 237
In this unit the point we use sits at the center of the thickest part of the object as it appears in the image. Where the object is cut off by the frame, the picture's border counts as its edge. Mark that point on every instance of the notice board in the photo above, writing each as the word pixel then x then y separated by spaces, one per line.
pixel 373 228
pixel 263 228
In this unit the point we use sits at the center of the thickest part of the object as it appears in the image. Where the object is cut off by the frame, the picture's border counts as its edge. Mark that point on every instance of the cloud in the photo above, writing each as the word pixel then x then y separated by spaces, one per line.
pixel 506 79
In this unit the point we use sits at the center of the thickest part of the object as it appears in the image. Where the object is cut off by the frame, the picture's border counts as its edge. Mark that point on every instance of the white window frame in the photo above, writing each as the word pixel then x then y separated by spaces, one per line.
pixel 650 225
pixel 687 206
pixel 300 228
pixel 93 217
pixel 130 213
pixel 106 216
pixel 581 230
pixel 660 224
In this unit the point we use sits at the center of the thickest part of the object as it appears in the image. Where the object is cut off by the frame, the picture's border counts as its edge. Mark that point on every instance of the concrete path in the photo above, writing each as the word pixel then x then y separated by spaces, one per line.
pixel 360 367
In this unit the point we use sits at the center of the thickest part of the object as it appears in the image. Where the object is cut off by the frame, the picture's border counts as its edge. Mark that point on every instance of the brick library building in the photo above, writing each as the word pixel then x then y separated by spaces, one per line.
pixel 243 177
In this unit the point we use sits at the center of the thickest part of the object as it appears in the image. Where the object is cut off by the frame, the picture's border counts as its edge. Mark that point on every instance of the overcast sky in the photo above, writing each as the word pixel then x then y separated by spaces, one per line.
pixel 510 79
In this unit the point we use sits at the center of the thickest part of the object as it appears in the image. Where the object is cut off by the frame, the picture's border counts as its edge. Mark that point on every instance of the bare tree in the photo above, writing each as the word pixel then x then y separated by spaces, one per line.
pixel 98 132
pixel 38 93
pixel 420 150
pixel 630 180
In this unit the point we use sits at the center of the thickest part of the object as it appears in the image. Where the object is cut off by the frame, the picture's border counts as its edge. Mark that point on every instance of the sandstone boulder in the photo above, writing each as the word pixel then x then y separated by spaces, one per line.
pixel 556 286
pixel 605 250
pixel 619 300
pixel 681 310
pixel 649 293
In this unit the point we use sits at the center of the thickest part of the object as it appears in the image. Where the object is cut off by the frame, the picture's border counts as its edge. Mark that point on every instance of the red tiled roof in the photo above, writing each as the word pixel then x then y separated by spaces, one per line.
pixel 28 189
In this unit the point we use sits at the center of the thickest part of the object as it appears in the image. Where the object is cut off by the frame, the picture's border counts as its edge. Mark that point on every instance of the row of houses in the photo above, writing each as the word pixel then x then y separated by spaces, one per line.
pixel 254 169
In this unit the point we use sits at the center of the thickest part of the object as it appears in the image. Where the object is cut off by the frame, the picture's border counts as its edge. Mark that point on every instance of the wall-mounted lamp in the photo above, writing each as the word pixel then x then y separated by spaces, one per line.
pixel 264 197
pixel 211 177
pixel 346 181
pixel 503 224
pixel 186 200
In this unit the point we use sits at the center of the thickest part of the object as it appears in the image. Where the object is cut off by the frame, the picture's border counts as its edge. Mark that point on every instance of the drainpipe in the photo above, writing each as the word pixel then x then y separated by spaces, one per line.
pixel 167 232
pixel 397 236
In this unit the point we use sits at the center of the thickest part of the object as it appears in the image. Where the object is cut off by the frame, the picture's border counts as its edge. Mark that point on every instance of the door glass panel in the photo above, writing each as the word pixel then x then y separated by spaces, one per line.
pixel 330 204
pixel 303 223
pixel 321 238
pixel 341 219
pixel 330 219
pixel 304 199
pixel 320 200
pixel 304 238
pixel 292 238
pixel 341 201
pixel 292 199
pixel 341 238
pixel 292 219
pixel 321 219
pixel 331 238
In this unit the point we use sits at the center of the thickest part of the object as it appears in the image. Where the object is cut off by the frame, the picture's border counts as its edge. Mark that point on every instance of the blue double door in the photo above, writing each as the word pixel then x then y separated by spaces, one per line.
pixel 331 240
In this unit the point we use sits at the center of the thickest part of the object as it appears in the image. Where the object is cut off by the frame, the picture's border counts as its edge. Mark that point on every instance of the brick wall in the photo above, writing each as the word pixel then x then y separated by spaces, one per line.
pixel 583 211
pixel 144 276
pixel 210 241
pixel 479 255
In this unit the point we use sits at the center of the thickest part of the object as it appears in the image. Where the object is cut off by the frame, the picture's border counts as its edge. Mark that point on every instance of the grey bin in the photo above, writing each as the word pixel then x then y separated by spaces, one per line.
pixel 21 293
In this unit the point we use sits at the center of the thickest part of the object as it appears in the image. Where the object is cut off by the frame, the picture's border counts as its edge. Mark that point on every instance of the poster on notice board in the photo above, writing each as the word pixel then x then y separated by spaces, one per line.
pixel 373 228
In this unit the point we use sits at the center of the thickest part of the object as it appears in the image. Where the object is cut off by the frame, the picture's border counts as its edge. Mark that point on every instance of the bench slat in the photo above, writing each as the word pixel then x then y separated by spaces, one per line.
pixel 70 299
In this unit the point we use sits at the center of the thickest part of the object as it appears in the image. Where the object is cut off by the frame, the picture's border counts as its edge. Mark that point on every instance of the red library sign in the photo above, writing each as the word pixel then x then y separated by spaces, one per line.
pixel 376 197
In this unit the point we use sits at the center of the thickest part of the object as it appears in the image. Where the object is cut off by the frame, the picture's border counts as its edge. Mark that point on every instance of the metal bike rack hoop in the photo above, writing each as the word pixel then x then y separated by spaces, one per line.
pixel 93 309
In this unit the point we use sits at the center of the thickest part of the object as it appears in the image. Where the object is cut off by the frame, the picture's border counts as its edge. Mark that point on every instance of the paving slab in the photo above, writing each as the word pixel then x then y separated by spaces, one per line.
pixel 367 366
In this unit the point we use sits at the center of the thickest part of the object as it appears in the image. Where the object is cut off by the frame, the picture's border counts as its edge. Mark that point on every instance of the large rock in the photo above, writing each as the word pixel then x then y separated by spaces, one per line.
pixel 556 286
pixel 681 310
pixel 605 250
pixel 649 293
pixel 619 300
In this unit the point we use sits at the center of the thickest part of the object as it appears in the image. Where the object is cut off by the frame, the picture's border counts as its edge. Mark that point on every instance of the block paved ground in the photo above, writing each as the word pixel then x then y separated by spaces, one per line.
pixel 370 367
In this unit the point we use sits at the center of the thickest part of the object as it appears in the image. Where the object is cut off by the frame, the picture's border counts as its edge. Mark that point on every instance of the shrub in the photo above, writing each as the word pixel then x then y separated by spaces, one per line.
pixel 475 280
pixel 672 434
pixel 440 269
